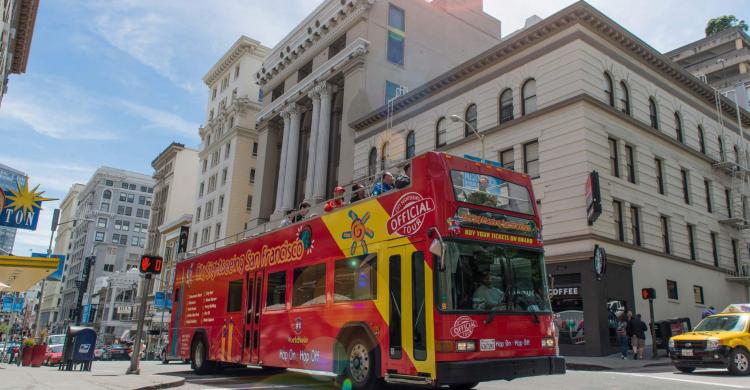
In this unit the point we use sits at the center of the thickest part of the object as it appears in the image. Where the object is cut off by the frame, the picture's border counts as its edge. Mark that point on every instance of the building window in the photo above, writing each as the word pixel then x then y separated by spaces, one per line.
pixel 109 267
pixel 635 223
pixel 624 98
pixel 653 113
pixel 393 90
pixel 224 176
pixel 722 154
pixel 396 34
pixel 249 205
pixel 659 175
pixel 736 255
pixel 698 294
pixel 728 198
pixel 217 231
pixel 630 162
pixel 744 207
pixel 277 92
pixel 252 175
pixel 715 248
pixel 507 158
pixel 506 106
pixel 226 150
pixel 372 162
pixel 102 223
pixel 255 149
pixel 666 245
pixel 471 120
pixel 383 155
pixel 440 133
pixel 672 290
pixel 685 185
pixel 614 158
pixel 99 237
pixel 678 128
pixel 619 223
pixel 528 97
pixel 691 240
pixel 336 47
pixel 200 190
pixel 221 203
pixel 309 285
pixel 709 200
pixel 410 144
pixel 109 183
pixel 702 139
pixel 304 71
pixel 609 89
pixel 107 194
pixel 531 159
pixel 198 214
pixel 205 166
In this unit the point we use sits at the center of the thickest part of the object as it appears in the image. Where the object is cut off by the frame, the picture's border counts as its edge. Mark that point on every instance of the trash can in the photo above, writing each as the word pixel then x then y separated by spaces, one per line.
pixel 80 343
pixel 669 328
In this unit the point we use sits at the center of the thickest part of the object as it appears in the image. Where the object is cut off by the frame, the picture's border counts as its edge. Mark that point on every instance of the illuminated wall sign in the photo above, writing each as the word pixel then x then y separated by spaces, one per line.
pixel 21 206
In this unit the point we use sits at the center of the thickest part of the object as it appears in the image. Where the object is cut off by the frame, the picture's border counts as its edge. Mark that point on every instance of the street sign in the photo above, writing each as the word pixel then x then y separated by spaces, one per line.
pixel 593 198
pixel 151 264
pixel 600 261
pixel 183 243
pixel 86 313
pixel 21 206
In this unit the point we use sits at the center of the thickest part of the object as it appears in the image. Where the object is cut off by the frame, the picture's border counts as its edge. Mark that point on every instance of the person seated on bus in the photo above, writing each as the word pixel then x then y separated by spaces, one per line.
pixel 404 180
pixel 337 201
pixel 304 208
pixel 358 193
pixel 486 296
pixel 384 185
pixel 287 219
pixel 481 196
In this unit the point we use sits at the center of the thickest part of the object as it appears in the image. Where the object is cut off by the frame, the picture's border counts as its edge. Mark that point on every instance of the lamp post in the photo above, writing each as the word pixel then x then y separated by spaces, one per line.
pixel 456 118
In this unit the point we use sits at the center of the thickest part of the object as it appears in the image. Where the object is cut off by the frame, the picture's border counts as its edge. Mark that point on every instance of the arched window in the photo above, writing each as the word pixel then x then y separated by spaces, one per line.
pixel 441 133
pixel 722 155
pixel 410 144
pixel 609 89
pixel 736 155
pixel 383 155
pixel 506 106
pixel 653 113
pixel 625 98
pixel 701 139
pixel 107 194
pixel 372 162
pixel 528 97
pixel 471 120
pixel 678 128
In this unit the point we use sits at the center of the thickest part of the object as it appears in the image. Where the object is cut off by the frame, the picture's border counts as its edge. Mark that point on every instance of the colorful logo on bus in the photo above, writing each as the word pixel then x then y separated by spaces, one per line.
pixel 298 325
pixel 304 234
pixel 463 327
pixel 359 232
pixel 409 213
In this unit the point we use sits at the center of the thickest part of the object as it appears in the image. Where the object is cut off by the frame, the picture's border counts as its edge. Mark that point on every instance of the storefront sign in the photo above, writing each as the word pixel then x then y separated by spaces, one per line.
pixel 20 206
pixel 600 261
pixel 572 291
pixel 593 198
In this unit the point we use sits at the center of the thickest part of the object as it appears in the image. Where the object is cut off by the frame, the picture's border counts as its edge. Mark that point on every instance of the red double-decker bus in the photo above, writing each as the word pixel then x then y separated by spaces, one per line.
pixel 439 283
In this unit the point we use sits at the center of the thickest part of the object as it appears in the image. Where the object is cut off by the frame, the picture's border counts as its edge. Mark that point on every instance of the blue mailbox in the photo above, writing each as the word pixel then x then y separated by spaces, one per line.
pixel 80 343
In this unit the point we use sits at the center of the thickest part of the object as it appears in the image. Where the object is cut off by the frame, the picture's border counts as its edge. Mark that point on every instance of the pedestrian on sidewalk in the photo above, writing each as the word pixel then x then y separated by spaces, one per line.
pixel 639 328
pixel 629 329
pixel 622 336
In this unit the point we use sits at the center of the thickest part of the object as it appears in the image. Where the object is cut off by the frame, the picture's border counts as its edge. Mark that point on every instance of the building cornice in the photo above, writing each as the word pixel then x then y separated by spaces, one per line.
pixel 167 154
pixel 579 13
pixel 317 31
pixel 24 32
pixel 718 35
pixel 182 220
pixel 243 45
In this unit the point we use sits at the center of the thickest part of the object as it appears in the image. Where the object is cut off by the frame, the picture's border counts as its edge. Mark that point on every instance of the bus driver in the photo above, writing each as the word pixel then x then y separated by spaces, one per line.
pixel 487 297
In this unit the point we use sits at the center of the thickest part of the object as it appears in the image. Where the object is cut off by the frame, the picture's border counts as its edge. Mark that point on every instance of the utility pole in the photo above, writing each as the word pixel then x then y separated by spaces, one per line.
pixel 55 218
pixel 149 265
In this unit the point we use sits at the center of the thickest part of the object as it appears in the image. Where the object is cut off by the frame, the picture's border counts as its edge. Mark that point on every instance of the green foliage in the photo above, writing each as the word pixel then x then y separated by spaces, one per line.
pixel 721 23
pixel 4 328
pixel 29 342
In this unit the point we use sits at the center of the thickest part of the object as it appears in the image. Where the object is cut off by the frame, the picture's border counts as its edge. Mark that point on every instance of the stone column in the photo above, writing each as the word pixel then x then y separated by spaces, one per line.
pixel 314 95
pixel 292 153
pixel 324 134
pixel 282 162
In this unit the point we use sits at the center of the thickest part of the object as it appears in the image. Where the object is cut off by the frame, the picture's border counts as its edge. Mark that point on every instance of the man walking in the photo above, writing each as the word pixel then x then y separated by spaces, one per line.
pixel 638 328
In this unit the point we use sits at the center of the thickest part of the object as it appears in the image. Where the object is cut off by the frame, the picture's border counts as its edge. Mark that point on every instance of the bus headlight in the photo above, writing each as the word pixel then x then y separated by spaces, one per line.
pixel 671 343
pixel 712 344
pixel 466 346
pixel 548 342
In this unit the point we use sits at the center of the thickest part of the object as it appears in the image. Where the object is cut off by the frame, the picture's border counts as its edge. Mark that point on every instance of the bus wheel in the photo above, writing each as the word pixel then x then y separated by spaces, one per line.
pixel 739 362
pixel 463 386
pixel 360 368
pixel 199 357
pixel 685 369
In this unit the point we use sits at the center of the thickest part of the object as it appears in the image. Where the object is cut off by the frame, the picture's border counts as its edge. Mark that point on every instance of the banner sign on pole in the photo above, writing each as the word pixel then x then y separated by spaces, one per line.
pixel 57 275
pixel 21 206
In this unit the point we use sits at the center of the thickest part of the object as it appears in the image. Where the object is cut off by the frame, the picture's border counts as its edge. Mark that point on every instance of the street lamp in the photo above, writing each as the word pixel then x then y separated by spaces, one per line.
pixel 456 118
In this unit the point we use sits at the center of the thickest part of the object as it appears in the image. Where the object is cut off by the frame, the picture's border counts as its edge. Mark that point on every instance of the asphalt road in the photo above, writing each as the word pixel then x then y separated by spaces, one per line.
pixel 653 378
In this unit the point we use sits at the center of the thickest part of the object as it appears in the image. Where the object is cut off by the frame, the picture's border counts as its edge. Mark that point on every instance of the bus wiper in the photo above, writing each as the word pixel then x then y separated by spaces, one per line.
pixel 536 316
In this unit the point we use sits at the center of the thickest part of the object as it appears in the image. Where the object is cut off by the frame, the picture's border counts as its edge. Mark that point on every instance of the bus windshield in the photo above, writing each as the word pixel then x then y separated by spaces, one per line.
pixel 491 191
pixel 485 277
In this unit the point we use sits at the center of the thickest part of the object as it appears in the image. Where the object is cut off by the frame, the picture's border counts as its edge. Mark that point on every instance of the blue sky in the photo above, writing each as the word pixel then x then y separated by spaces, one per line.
pixel 114 82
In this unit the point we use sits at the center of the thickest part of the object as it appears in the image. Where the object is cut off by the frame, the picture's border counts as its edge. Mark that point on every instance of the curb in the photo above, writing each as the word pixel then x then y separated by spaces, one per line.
pixel 165 385
pixel 596 367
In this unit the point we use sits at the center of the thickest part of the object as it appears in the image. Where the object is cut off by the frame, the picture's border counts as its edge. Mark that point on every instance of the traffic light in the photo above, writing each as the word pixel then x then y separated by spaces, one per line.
pixel 150 264
pixel 648 293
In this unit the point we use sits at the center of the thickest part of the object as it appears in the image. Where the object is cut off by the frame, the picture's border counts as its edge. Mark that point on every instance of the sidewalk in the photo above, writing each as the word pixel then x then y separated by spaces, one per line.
pixel 615 362
pixel 103 375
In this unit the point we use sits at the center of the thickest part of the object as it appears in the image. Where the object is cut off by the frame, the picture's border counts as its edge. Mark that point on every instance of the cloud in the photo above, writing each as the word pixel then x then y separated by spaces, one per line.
pixel 157 119
pixel 54 175
pixel 28 241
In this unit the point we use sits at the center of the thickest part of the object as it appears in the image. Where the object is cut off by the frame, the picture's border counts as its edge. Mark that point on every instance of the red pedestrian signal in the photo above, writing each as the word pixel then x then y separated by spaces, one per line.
pixel 648 293
pixel 151 264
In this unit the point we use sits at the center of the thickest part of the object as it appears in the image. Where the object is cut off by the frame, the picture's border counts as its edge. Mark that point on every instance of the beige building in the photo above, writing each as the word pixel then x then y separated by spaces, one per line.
pixel 722 60
pixel 53 290
pixel 229 145
pixel 16 30
pixel 576 93
pixel 343 60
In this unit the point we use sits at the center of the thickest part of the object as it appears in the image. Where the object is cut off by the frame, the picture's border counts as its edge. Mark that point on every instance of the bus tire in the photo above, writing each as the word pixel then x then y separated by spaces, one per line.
pixel 685 369
pixel 361 364
pixel 463 386
pixel 199 357
pixel 739 361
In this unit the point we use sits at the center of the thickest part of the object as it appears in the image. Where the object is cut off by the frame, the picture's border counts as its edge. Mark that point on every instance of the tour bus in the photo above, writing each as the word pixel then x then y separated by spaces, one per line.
pixel 441 282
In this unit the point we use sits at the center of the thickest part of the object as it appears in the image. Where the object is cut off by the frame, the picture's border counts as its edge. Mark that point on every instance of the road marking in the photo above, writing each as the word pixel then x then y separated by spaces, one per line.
pixel 678 380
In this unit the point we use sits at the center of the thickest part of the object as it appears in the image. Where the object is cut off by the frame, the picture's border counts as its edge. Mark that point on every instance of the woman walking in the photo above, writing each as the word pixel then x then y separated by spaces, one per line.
pixel 622 335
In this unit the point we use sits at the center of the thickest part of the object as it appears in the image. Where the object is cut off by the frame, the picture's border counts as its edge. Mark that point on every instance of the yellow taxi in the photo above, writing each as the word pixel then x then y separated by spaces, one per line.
pixel 719 341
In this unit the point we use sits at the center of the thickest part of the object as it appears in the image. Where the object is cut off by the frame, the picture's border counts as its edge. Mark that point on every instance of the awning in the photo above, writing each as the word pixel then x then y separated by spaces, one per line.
pixel 21 273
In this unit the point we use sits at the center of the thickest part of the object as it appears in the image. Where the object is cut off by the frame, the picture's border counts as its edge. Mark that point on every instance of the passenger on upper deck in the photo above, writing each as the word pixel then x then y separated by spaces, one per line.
pixel 337 201
pixel 384 185
pixel 304 208
pixel 287 219
pixel 404 180
pixel 358 193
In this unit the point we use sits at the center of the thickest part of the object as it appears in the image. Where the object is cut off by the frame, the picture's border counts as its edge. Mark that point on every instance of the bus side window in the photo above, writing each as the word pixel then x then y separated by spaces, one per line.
pixel 276 291
pixel 355 278
pixel 234 296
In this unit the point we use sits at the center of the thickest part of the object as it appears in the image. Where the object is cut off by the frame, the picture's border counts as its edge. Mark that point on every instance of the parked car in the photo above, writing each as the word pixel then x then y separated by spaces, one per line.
pixel 99 353
pixel 54 355
pixel 117 352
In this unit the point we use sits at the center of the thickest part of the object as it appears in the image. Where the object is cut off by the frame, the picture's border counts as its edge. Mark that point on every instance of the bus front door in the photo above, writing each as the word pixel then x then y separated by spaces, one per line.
pixel 251 336
pixel 409 312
